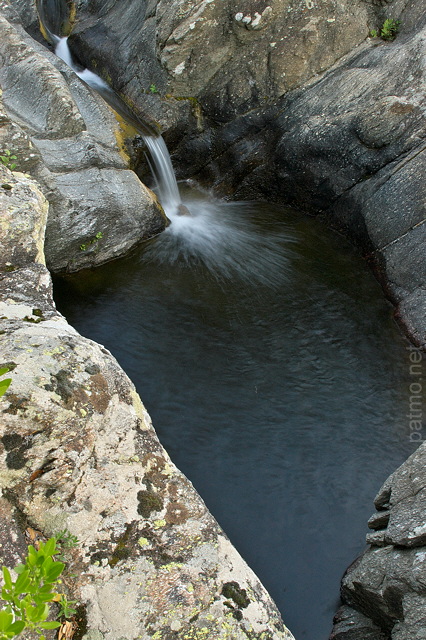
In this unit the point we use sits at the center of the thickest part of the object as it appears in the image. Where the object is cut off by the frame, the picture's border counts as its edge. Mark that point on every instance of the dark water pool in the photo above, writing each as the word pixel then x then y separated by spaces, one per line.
pixel 282 395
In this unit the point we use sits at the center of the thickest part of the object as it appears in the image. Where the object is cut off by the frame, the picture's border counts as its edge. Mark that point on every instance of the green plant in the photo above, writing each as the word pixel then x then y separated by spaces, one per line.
pixel 7 158
pixel 28 596
pixel 93 240
pixel 389 29
pixel 4 384
pixel 153 88
pixel 66 607
pixel 66 540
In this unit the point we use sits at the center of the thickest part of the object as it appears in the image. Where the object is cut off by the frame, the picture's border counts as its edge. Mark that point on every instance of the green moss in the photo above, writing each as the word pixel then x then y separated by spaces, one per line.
pixel 148 501
pixel 10 366
pixel 234 592
pixel 32 320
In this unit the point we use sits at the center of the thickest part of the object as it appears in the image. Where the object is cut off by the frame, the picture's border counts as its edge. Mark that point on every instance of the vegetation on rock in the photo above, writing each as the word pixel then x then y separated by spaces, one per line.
pixel 27 598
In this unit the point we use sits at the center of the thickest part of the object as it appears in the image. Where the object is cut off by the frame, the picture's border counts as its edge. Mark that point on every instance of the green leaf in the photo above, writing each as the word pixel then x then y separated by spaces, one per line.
pixel 45 589
pixel 50 625
pixel 41 559
pixel 6 620
pixel 47 563
pixel 17 627
pixel 34 614
pixel 5 594
pixel 7 578
pixel 20 568
pixel 32 553
pixel 3 371
pixel 43 597
pixel 22 583
pixel 54 571
pixel 43 611
pixel 4 385
pixel 50 547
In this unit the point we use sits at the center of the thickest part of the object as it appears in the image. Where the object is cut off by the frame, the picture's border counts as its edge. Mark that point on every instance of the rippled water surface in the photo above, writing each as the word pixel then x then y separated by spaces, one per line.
pixel 267 357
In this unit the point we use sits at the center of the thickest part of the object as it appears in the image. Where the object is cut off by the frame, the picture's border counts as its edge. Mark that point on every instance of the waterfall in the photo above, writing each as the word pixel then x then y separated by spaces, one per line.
pixel 223 237
pixel 163 169
pixel 167 185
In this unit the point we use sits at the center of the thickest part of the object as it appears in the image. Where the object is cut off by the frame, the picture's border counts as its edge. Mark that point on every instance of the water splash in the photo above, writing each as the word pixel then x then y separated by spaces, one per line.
pixel 219 235
pixel 225 238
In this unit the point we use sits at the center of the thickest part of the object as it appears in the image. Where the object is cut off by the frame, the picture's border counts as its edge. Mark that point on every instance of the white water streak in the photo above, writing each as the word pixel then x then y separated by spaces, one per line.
pixel 167 185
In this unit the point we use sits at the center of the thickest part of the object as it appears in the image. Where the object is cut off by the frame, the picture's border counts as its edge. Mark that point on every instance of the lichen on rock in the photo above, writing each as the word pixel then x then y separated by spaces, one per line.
pixel 78 452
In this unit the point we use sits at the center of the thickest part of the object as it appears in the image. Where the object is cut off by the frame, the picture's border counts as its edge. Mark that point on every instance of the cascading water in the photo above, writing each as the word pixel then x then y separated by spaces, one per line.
pixel 167 185
pixel 203 229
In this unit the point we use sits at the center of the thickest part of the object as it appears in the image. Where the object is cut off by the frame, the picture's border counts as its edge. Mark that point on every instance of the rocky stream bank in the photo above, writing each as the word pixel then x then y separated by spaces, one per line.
pixel 289 101
pixel 78 452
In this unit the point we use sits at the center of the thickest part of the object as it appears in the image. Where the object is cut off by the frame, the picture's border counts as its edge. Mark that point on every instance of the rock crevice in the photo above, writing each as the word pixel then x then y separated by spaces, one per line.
pixel 79 453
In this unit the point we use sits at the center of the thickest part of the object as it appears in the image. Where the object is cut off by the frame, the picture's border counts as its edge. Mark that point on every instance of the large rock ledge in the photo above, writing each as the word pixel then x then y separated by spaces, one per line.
pixel 65 136
pixel 384 590
pixel 78 452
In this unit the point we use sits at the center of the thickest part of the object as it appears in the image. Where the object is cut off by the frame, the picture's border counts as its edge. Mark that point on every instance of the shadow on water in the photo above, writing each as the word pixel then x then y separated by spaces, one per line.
pixel 275 377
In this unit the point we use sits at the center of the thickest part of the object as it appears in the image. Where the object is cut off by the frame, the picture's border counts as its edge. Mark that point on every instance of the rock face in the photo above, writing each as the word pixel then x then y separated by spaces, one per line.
pixel 351 146
pixel 384 590
pixel 232 56
pixel 66 137
pixel 78 452
pixel 252 104
pixel 289 101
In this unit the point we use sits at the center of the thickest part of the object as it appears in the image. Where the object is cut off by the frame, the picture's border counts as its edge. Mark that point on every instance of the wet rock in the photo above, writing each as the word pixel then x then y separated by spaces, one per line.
pixel 60 131
pixel 252 105
pixel 78 452
pixel 116 212
pixel 350 145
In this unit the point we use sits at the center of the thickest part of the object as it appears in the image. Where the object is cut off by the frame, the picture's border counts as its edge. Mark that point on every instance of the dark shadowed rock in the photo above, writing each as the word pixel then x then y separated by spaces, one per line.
pixel 387 583
pixel 350 624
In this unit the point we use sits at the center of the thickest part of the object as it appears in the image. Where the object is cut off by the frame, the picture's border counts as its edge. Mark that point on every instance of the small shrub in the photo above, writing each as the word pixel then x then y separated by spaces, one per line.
pixel 6 159
pixel 28 596
pixel 390 29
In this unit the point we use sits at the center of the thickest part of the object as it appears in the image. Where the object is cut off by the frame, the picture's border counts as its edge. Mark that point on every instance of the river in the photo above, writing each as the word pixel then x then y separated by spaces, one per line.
pixel 276 379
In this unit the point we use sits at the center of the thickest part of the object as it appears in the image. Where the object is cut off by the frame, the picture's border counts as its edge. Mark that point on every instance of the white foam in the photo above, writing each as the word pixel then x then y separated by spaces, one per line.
pixel 222 237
